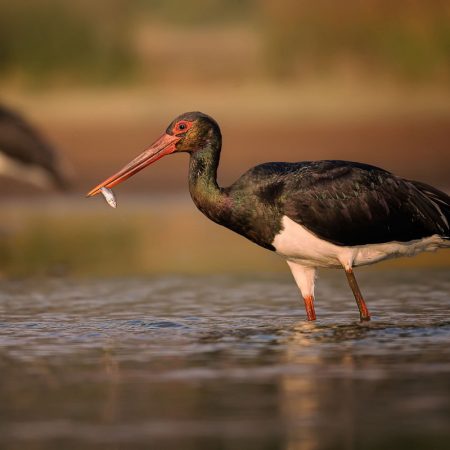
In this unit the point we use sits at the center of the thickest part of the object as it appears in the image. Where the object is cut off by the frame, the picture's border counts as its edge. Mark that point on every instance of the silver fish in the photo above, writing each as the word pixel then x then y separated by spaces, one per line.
pixel 109 197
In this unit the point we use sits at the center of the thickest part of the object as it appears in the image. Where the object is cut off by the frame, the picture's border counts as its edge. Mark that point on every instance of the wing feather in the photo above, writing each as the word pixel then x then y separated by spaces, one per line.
pixel 355 204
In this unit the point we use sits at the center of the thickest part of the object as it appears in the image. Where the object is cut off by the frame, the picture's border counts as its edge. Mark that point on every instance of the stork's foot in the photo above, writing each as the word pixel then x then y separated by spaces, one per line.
pixel 309 306
pixel 363 311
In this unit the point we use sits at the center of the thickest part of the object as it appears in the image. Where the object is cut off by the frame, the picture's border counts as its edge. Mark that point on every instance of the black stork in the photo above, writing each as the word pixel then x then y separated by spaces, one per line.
pixel 334 214
pixel 26 155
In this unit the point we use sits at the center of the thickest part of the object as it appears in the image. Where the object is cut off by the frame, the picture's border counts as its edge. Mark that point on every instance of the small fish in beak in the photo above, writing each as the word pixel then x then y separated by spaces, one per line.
pixel 109 197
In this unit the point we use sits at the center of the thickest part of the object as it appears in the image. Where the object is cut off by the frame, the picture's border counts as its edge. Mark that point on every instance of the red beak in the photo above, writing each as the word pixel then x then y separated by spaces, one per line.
pixel 165 145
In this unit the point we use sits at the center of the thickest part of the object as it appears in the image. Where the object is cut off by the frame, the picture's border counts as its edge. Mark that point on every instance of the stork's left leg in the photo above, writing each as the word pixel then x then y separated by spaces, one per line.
pixel 363 311
pixel 304 277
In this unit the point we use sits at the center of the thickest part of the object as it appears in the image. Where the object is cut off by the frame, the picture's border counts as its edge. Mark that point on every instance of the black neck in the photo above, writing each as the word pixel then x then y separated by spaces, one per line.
pixel 205 192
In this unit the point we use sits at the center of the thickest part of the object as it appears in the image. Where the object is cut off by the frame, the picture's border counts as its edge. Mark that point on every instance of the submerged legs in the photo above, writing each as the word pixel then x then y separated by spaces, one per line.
pixel 304 277
pixel 309 306
pixel 363 311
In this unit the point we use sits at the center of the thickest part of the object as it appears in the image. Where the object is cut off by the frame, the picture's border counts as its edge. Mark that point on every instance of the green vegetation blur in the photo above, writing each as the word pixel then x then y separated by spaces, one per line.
pixel 49 41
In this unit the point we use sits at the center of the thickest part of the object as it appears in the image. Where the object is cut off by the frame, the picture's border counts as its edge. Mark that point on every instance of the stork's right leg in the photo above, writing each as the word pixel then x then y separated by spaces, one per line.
pixel 304 277
pixel 363 311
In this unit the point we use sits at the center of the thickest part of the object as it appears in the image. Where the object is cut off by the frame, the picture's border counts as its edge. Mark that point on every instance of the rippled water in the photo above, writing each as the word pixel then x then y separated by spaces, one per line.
pixel 225 363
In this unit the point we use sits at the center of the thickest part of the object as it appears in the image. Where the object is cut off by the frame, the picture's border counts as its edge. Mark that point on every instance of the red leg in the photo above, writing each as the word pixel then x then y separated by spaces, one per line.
pixel 304 277
pixel 363 311
pixel 309 306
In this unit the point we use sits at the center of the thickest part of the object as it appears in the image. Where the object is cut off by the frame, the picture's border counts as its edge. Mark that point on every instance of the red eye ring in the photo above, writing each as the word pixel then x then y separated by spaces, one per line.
pixel 182 126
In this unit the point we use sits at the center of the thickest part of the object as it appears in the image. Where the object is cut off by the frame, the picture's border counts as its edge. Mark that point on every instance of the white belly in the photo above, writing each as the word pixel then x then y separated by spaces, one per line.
pixel 296 243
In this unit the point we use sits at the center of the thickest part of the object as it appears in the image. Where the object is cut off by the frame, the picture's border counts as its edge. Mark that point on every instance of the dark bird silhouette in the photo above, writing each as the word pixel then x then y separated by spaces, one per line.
pixel 334 214
pixel 26 155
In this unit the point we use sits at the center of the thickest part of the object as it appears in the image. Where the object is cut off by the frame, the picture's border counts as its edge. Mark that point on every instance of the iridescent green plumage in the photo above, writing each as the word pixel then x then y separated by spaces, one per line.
pixel 343 202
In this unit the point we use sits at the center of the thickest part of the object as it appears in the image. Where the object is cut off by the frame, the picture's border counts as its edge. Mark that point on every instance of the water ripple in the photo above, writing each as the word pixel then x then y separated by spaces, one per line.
pixel 189 359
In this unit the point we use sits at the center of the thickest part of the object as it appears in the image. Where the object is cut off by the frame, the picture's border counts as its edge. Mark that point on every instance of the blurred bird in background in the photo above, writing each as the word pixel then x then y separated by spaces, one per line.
pixel 26 155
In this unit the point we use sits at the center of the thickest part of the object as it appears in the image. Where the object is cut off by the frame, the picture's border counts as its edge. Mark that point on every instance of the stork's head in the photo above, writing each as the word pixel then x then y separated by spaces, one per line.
pixel 189 132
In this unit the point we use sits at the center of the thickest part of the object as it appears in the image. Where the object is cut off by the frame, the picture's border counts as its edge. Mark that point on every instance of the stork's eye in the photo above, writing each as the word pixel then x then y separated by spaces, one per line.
pixel 181 127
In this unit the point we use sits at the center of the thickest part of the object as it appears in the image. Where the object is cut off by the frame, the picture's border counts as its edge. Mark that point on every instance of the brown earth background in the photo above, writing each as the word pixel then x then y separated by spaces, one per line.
pixel 295 81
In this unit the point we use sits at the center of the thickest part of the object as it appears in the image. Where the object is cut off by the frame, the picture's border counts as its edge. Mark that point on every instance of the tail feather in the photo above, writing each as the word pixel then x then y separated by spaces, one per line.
pixel 441 204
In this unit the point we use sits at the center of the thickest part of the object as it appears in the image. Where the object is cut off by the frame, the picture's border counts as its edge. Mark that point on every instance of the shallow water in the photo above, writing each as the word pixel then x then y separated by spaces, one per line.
pixel 225 363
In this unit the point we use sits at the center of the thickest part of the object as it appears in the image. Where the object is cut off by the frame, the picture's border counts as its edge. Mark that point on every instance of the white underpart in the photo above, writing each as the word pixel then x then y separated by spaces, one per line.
pixel 305 252
pixel 304 277
pixel 32 174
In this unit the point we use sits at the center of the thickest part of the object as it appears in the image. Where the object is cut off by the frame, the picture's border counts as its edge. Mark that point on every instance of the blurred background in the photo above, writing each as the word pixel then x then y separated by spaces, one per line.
pixel 286 80
pixel 149 325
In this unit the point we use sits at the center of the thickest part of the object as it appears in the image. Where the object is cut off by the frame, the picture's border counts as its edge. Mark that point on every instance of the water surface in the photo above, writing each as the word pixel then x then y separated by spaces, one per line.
pixel 225 363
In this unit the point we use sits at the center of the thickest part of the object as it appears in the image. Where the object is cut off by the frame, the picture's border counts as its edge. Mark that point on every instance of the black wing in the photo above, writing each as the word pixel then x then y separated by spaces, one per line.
pixel 355 204
pixel 23 143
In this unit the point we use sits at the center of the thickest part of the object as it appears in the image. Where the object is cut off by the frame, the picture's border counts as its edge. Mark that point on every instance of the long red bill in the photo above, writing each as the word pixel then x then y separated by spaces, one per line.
pixel 163 146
